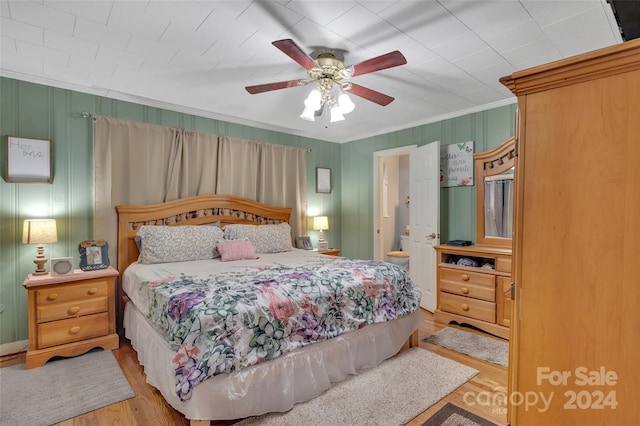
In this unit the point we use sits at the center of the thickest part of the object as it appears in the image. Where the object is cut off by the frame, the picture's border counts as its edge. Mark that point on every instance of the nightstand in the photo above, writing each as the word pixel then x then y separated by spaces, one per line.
pixel 330 252
pixel 71 314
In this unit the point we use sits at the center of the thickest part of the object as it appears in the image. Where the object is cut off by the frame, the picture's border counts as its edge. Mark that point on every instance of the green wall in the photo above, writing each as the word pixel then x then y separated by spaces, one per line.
pixel 42 112
pixel 457 204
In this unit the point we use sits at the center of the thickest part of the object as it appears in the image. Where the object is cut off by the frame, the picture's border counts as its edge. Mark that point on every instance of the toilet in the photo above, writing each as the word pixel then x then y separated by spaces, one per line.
pixel 401 257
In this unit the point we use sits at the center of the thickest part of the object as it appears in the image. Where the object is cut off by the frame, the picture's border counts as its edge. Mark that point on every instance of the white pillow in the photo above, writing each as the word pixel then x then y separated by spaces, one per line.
pixel 265 238
pixel 163 244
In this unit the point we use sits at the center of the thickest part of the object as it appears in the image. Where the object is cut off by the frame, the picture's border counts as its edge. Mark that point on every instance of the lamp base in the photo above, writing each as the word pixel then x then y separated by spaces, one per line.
pixel 40 260
pixel 323 245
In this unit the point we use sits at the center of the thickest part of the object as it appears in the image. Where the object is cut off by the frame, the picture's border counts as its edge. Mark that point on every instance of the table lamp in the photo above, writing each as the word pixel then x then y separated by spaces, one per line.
pixel 320 223
pixel 40 232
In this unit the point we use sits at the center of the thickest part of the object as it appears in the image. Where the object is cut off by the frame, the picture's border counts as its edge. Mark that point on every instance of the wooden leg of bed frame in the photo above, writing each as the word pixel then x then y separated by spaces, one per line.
pixel 199 422
pixel 412 342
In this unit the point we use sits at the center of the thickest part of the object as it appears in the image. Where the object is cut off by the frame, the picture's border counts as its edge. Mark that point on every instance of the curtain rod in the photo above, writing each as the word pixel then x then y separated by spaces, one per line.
pixel 87 114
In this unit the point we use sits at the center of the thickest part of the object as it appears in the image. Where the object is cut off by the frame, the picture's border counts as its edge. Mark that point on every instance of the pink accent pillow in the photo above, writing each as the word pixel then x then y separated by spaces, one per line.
pixel 236 250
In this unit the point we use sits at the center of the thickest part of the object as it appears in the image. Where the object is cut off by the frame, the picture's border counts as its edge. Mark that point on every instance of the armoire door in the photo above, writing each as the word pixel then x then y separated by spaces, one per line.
pixel 576 328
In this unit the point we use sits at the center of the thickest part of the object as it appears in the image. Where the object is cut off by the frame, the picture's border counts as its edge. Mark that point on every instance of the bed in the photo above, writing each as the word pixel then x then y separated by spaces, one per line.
pixel 256 328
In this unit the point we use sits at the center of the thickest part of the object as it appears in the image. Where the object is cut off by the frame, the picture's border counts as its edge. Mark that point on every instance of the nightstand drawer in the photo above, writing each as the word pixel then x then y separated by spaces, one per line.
pixel 72 292
pixel 71 330
pixel 468 307
pixel 76 308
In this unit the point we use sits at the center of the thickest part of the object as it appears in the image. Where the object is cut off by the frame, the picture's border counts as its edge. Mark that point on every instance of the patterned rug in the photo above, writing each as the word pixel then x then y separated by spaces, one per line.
pixel 61 389
pixel 485 348
pixel 452 415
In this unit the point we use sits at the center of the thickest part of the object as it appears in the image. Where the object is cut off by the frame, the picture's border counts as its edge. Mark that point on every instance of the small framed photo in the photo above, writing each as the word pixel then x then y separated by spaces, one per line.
pixel 94 255
pixel 28 160
pixel 323 180
pixel 304 243
pixel 61 266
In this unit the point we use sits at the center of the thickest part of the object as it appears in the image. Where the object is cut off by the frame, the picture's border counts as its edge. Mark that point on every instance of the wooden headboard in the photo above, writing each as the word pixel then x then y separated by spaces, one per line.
pixel 197 210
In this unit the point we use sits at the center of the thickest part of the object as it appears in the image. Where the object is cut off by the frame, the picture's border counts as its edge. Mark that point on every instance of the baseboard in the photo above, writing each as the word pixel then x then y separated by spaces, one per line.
pixel 13 347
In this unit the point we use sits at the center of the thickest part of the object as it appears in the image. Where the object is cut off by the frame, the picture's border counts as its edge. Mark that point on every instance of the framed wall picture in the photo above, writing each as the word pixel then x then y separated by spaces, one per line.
pixel 28 160
pixel 304 243
pixel 323 180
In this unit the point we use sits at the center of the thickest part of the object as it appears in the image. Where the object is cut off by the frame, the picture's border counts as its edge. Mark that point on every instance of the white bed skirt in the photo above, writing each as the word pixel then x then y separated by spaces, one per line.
pixel 275 385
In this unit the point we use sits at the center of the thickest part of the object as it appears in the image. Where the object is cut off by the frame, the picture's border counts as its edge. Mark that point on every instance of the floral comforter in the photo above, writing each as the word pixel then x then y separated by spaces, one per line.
pixel 256 311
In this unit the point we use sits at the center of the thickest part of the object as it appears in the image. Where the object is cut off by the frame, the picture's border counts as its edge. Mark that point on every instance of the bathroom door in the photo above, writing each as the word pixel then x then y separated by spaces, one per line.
pixel 424 212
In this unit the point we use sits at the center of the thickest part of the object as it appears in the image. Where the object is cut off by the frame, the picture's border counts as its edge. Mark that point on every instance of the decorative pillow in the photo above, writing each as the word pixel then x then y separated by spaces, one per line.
pixel 236 250
pixel 265 238
pixel 162 244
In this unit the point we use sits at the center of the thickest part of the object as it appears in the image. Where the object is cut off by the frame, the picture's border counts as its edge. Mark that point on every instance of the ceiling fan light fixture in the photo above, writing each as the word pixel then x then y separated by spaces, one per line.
pixel 346 104
pixel 336 114
pixel 314 100
pixel 308 114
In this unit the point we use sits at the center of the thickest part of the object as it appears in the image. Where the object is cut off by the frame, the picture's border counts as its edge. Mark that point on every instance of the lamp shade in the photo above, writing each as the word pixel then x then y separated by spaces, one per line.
pixel 320 223
pixel 39 231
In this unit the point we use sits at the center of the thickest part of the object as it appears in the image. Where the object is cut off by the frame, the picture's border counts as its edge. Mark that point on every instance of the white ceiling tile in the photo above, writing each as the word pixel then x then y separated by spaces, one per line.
pixel 377 6
pixel 8 46
pixel 270 18
pixel 4 9
pixel 70 44
pixel 36 14
pixel 231 9
pixel 323 12
pixel 191 15
pixel 42 53
pixel 463 45
pixel 63 73
pixel 219 27
pixel 21 64
pixel 585 42
pixel 102 34
pixel 119 57
pixel 478 60
pixel 488 18
pixel 95 10
pixel 20 31
pixel 152 50
pixel 126 18
pixel 514 37
pixel 548 12
pixel 94 66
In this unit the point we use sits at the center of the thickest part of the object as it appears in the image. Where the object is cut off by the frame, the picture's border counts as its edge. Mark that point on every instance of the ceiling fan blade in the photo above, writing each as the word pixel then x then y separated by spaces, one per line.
pixel 261 88
pixel 388 60
pixel 295 52
pixel 370 95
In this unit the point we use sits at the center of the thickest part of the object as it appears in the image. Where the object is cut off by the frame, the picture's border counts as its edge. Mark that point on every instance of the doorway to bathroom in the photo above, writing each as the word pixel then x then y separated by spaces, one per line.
pixel 407 204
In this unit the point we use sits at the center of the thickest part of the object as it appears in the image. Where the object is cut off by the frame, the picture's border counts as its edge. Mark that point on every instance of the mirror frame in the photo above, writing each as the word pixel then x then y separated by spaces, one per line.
pixel 490 163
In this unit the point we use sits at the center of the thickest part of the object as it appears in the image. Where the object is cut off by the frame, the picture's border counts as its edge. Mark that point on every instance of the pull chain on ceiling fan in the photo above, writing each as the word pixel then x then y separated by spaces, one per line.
pixel 329 72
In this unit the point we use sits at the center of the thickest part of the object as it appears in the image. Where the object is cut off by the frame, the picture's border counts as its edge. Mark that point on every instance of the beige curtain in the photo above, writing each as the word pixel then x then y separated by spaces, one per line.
pixel 139 163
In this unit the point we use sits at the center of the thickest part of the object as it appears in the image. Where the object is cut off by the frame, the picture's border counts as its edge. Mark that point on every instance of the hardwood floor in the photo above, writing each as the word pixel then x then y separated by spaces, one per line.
pixel 481 395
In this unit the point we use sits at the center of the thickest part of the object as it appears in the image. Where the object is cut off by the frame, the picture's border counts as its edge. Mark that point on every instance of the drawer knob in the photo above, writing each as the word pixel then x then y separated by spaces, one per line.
pixel 74 330
pixel 93 290
pixel 465 307
pixel 465 277
pixel 74 310
pixel 464 290
pixel 53 296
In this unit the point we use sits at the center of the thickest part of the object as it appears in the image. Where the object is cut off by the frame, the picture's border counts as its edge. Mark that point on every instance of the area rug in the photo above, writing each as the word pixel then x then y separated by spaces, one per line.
pixel 392 393
pixel 61 389
pixel 452 415
pixel 474 345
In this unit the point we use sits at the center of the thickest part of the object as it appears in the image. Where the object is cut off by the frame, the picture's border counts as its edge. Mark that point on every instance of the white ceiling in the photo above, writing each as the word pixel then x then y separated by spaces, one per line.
pixel 197 56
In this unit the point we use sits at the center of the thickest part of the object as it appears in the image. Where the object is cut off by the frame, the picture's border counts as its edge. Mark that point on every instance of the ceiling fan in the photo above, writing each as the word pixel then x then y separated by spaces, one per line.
pixel 329 71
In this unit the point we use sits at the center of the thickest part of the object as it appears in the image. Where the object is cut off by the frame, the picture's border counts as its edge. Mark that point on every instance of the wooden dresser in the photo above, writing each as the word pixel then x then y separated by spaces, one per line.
pixel 71 314
pixel 475 295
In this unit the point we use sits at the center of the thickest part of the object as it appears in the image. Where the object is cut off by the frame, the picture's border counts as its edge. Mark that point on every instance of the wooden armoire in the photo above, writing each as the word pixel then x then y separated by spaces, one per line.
pixel 576 328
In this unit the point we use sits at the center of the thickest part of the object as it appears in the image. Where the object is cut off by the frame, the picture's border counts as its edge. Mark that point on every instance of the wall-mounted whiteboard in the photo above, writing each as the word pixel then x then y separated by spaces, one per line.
pixel 28 160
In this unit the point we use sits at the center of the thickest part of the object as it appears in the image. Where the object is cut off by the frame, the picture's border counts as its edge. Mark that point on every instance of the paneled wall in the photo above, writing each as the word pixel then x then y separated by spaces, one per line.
pixel 42 112
pixel 457 204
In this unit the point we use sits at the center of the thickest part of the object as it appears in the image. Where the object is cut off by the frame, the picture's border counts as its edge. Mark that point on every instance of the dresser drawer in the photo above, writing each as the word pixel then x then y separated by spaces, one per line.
pixel 71 330
pixel 72 292
pixel 470 284
pixel 503 264
pixel 468 307
pixel 75 308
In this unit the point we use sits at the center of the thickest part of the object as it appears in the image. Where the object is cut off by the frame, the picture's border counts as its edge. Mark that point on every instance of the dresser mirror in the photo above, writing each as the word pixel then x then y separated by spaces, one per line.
pixel 495 194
